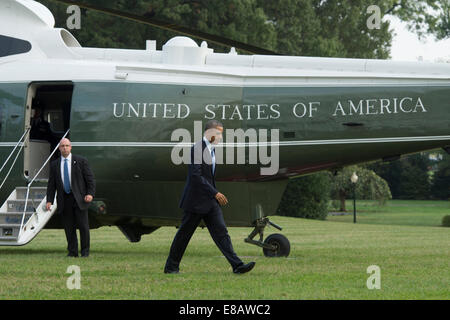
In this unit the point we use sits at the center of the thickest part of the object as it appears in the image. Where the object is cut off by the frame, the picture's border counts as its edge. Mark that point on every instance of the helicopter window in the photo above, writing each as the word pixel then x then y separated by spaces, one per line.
pixel 10 46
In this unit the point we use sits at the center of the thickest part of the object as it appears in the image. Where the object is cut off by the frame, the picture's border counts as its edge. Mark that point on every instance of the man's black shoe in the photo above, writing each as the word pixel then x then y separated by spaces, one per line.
pixel 244 268
pixel 72 255
pixel 171 271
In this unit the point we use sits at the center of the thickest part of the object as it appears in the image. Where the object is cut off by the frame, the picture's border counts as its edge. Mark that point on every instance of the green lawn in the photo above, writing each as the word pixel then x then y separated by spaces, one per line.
pixel 328 260
pixel 396 212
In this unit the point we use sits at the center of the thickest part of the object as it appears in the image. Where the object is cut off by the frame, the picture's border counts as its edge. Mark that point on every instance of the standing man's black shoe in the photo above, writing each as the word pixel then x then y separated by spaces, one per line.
pixel 244 268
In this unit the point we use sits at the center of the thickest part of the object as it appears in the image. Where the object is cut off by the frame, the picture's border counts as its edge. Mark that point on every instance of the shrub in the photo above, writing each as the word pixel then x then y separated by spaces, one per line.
pixel 306 197
pixel 446 221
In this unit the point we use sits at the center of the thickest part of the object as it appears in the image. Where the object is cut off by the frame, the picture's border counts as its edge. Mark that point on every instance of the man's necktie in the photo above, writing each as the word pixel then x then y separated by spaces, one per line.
pixel 213 158
pixel 66 177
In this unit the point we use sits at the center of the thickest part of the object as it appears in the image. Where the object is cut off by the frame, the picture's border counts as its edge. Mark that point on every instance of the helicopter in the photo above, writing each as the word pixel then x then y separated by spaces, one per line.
pixel 134 114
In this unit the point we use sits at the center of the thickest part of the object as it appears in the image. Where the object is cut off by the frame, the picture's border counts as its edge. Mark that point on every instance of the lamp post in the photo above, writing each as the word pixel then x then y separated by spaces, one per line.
pixel 354 180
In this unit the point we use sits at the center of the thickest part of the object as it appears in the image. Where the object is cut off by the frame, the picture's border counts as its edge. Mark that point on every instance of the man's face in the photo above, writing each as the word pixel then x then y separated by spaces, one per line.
pixel 65 148
pixel 214 135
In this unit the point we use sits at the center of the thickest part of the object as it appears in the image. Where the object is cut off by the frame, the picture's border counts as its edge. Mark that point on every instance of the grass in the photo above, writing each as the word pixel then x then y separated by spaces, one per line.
pixel 396 212
pixel 328 260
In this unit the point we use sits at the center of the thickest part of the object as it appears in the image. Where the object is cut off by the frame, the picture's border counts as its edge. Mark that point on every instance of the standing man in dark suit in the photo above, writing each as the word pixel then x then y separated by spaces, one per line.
pixel 201 200
pixel 72 178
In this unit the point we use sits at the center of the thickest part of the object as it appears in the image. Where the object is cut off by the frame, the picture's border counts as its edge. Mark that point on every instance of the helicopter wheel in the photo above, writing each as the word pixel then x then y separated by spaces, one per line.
pixel 280 244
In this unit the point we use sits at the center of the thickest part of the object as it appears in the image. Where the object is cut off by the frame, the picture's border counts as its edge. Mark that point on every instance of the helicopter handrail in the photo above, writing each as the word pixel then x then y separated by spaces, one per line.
pixel 15 159
pixel 31 182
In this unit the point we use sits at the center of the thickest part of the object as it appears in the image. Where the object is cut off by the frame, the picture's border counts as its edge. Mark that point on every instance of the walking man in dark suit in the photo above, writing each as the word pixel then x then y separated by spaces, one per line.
pixel 201 200
pixel 72 178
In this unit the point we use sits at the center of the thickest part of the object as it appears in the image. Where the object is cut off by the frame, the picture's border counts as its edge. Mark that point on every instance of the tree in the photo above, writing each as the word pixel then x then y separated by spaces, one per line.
pixel 440 187
pixel 347 22
pixel 415 183
pixel 408 178
pixel 240 20
pixel 423 17
pixel 326 28
pixel 369 186
pixel 332 28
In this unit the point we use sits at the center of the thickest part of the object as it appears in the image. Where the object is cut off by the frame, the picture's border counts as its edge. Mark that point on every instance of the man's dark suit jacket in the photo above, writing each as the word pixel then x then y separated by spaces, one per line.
pixel 82 182
pixel 200 189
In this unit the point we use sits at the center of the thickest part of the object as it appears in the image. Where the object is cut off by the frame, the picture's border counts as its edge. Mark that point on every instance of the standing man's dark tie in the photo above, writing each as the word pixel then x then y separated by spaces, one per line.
pixel 66 177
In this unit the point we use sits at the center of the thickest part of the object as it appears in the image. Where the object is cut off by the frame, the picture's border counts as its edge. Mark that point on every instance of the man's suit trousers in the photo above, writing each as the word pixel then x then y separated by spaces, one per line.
pixel 72 217
pixel 216 226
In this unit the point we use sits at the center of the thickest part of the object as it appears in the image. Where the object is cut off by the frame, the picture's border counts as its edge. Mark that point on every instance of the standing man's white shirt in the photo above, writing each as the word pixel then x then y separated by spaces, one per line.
pixel 69 165
pixel 208 144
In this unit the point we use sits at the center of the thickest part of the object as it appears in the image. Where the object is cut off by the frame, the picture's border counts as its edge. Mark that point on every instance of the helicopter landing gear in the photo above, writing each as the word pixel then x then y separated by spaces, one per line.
pixel 275 245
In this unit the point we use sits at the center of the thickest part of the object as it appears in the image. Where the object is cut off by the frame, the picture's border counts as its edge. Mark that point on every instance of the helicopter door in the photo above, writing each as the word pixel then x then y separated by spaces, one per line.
pixel 48 117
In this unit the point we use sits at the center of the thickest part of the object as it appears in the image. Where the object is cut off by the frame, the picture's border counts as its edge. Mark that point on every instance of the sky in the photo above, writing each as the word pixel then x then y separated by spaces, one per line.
pixel 407 47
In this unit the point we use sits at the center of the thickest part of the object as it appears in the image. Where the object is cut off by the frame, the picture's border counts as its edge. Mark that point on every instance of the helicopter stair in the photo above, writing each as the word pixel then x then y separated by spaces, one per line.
pixel 34 216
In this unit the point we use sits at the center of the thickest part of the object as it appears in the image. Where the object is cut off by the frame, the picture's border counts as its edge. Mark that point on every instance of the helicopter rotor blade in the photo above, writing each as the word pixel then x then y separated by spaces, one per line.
pixel 173 27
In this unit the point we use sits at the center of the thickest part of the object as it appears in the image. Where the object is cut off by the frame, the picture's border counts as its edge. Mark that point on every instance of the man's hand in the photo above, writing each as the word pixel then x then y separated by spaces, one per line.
pixel 88 198
pixel 221 198
pixel 48 206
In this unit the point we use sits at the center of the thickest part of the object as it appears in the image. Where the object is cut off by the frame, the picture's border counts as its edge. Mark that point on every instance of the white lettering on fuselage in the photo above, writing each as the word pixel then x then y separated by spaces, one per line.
pixel 272 111
pixel 379 106
pixel 151 110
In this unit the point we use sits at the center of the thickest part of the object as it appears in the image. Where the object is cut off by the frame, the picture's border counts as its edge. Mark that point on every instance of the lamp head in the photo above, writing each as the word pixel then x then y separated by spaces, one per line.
pixel 354 178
